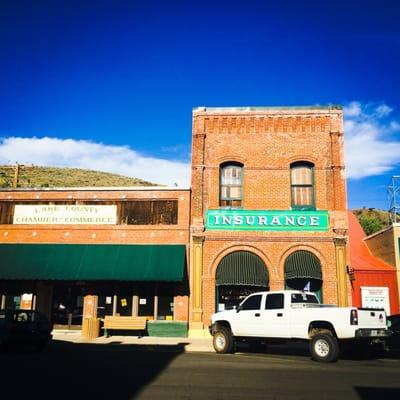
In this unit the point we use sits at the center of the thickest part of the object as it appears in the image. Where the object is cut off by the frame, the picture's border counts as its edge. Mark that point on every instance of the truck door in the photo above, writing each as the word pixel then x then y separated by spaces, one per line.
pixel 274 318
pixel 247 317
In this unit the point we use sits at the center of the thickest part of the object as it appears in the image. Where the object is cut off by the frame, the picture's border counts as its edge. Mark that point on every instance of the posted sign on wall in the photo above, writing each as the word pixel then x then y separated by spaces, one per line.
pixel 65 214
pixel 263 220
pixel 375 297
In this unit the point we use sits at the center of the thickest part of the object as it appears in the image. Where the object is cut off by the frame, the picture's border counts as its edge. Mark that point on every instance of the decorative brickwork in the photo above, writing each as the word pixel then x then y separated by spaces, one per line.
pixel 266 141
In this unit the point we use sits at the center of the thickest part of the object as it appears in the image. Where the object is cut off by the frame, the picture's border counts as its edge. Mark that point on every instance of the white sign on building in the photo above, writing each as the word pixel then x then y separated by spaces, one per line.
pixel 375 297
pixel 65 214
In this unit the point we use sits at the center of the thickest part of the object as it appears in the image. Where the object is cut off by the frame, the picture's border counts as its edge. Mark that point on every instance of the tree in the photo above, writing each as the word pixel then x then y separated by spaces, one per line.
pixel 370 224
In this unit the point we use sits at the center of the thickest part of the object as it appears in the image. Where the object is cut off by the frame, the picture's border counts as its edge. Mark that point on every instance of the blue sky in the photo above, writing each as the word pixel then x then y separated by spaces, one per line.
pixel 111 84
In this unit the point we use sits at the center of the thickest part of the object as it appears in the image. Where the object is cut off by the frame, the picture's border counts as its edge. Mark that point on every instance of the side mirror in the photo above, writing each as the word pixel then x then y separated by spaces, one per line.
pixel 238 308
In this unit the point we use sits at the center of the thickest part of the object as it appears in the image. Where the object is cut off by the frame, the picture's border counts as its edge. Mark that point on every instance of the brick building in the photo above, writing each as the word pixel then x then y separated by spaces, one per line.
pixel 124 250
pixel 266 210
pixel 268 207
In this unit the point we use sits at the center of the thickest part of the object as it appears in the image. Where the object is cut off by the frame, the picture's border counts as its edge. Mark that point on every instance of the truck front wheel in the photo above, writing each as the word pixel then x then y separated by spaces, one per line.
pixel 324 347
pixel 222 340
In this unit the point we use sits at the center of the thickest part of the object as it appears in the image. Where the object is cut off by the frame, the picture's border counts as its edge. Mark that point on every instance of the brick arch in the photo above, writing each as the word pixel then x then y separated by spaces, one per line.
pixel 295 248
pixel 231 249
pixel 231 157
pixel 302 157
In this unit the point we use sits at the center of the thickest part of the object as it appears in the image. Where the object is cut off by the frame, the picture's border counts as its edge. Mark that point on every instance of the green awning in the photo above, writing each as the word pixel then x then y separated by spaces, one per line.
pixel 303 264
pixel 92 262
pixel 242 268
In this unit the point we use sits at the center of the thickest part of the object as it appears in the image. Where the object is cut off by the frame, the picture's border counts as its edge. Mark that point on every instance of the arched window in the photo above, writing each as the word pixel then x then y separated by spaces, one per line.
pixel 231 182
pixel 303 270
pixel 302 185
pixel 239 274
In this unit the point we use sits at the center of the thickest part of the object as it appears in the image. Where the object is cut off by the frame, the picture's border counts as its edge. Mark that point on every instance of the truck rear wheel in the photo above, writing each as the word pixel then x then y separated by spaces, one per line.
pixel 223 340
pixel 324 347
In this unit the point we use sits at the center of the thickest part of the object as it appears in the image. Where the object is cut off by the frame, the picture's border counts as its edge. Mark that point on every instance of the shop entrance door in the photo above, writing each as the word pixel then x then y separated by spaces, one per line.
pixel 67 308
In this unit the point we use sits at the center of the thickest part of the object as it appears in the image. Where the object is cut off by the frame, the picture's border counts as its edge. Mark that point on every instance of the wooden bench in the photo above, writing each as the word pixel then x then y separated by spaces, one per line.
pixel 118 322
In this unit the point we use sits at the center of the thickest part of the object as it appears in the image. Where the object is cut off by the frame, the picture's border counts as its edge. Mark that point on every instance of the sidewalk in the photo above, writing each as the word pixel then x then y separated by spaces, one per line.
pixel 190 344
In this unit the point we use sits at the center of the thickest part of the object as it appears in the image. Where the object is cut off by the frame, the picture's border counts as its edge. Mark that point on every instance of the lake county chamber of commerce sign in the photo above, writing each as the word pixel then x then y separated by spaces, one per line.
pixel 262 220
pixel 65 214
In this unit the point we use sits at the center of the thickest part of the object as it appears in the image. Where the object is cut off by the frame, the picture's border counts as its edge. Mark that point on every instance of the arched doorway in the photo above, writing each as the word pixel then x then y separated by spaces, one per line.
pixel 239 274
pixel 303 271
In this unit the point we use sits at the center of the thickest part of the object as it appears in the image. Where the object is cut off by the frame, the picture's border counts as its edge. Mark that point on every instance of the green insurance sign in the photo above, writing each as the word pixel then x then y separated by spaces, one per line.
pixel 265 220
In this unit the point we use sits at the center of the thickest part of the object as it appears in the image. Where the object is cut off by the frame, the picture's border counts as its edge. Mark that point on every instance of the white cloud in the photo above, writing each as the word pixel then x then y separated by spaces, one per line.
pixel 383 110
pixel 371 148
pixel 353 109
pixel 72 153
pixel 369 145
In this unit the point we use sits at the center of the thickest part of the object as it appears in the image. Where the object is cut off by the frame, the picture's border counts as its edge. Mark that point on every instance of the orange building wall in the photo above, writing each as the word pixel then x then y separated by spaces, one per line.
pixel 376 279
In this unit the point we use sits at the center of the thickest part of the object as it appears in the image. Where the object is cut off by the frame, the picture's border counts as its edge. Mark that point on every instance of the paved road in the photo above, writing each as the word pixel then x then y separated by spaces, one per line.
pixel 122 372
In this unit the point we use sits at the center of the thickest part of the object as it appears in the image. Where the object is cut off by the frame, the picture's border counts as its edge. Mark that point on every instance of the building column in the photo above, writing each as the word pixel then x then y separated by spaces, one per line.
pixel 341 273
pixel 196 307
pixel 114 311
pixel 135 306
pixel 155 313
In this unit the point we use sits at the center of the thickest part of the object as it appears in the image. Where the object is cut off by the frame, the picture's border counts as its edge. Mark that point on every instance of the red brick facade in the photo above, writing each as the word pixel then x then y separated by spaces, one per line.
pixel 102 234
pixel 266 141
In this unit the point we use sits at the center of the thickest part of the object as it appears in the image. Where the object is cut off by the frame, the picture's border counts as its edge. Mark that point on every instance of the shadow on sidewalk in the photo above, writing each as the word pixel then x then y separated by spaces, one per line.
pixel 68 370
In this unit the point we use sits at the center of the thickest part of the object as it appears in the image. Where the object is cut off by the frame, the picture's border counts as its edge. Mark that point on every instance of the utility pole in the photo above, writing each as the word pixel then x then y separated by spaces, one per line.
pixel 16 175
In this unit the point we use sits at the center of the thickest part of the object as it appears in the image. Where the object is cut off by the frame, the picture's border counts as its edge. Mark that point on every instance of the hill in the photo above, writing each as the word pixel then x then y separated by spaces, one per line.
pixel 371 219
pixel 36 177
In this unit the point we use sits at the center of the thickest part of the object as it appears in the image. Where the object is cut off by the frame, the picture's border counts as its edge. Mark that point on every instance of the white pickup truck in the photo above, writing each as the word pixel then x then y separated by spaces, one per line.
pixel 296 315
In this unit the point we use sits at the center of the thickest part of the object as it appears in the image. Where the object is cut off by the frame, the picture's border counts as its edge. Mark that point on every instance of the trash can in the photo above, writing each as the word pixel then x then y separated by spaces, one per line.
pixel 91 328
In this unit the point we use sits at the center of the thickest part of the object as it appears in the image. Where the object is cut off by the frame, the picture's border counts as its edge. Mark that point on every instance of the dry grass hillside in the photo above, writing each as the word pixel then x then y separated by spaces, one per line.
pixel 381 215
pixel 36 177
pixel 372 219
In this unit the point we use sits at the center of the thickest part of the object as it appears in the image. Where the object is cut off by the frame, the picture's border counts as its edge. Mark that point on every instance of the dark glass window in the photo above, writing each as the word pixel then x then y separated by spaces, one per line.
pixel 274 301
pixel 149 212
pixel 252 303
pixel 6 212
pixel 231 182
pixel 298 298
pixel 302 185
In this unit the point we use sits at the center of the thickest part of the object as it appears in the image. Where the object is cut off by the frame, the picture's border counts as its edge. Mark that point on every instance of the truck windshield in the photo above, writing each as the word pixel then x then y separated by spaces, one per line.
pixel 298 298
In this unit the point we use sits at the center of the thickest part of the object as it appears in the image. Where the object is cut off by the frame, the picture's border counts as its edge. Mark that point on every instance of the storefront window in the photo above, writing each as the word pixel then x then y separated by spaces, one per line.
pixel 5 212
pixel 165 308
pixel 141 212
pixel 153 212
pixel 302 185
pixel 146 305
pixel 231 185
pixel 124 305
